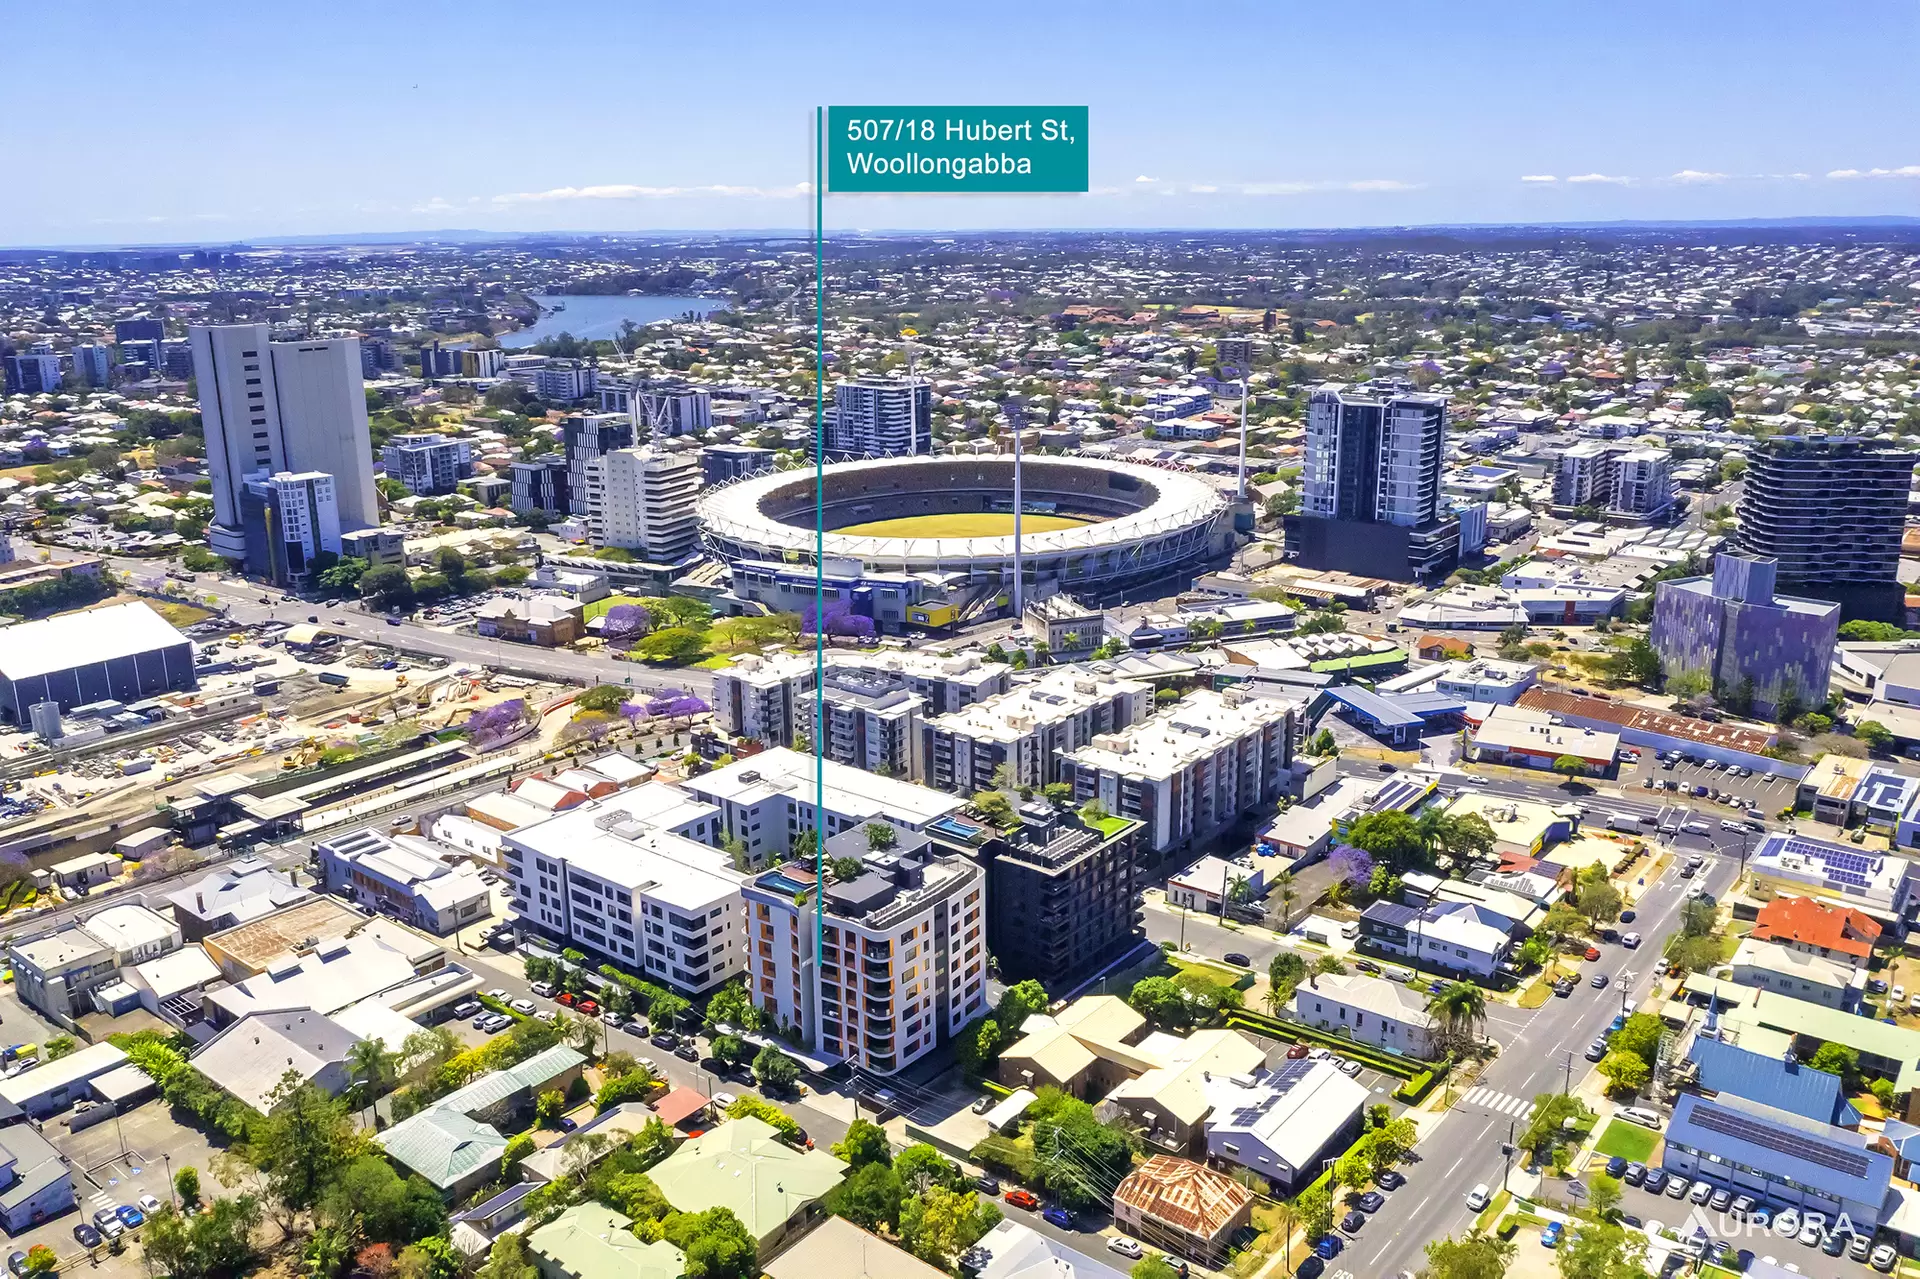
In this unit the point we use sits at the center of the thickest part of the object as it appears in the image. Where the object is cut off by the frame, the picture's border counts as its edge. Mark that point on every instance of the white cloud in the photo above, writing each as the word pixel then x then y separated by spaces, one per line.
pixel 1144 178
pixel 1308 188
pixel 1904 171
pixel 1380 184
pixel 438 204
pixel 1538 177
pixel 627 191
pixel 1600 177
pixel 1697 175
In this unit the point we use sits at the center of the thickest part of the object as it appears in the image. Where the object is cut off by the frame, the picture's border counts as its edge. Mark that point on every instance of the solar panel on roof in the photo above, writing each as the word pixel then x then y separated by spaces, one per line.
pixel 1727 1123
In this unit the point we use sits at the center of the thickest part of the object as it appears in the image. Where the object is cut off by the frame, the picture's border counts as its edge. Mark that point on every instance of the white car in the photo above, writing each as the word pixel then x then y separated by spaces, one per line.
pixel 149 1204
pixel 1639 1115
pixel 1479 1197
pixel 1882 1259
pixel 724 1101
pixel 1630 941
pixel 1899 993
pixel 1125 1247
pixel 521 1005
pixel 546 1015
pixel 499 993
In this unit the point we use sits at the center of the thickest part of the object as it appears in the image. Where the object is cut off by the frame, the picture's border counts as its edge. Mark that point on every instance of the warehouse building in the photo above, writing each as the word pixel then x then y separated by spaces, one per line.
pixel 123 652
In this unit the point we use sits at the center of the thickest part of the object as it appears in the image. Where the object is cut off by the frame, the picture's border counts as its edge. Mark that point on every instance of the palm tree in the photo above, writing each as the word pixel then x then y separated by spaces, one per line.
pixel 1432 827
pixel 1284 890
pixel 1460 1009
pixel 1239 890
pixel 369 1061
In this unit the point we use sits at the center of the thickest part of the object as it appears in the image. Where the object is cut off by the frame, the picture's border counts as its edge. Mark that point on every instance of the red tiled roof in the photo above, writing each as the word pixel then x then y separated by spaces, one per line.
pixel 1184 1195
pixel 1804 920
pixel 1627 715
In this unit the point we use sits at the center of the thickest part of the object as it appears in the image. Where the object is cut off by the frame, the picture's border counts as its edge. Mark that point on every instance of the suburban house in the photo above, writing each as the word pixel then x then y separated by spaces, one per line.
pixel 1187 1209
pixel 591 1241
pixel 1281 1125
pixel 456 1143
pixel 1783 970
pixel 1454 937
pixel 1371 1011
pixel 1084 1050
pixel 1831 932
pixel 249 1058
pixel 742 1165
pixel 838 1249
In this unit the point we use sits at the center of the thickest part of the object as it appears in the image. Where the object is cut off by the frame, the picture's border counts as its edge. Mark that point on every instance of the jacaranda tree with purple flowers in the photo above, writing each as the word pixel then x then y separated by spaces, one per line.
pixel 1352 866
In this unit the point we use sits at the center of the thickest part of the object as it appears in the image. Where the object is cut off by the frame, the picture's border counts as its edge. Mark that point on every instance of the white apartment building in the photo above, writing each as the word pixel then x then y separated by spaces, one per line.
pixel 872 723
pixel 768 698
pixel 1617 478
pixel 641 499
pixel 880 417
pixel 1029 729
pixel 1192 769
pixel 1374 454
pixel 628 878
pixel 289 519
pixel 427 463
pixel 271 407
pixel 767 800
pixel 666 409
pixel 903 958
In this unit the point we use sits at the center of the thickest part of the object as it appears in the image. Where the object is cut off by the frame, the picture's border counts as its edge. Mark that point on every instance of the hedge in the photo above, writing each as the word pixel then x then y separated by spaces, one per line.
pixel 1366 1055
pixel 500 1006
pixel 1415 1089
pixel 647 991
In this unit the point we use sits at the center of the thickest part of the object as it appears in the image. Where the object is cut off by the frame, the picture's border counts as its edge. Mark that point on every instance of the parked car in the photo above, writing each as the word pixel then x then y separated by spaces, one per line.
pixel 1479 1197
pixel 149 1204
pixel 665 1039
pixel 1700 1193
pixel 1592 953
pixel 497 1023
pixel 1372 1201
pixel 108 1223
pixel 1596 1050
pixel 1636 1174
pixel 17 1263
pixel 1882 1259
pixel 1720 1200
pixel 983 1105
pixel 1126 1247
pixel 1617 1167
pixel 1297 1051
pixel 1631 941
pixel 1235 957
pixel 588 1008
pixel 544 989
pixel 1859 1245
pixel 1389 1179
pixel 466 1008
pixel 547 1015
pixel 522 1006
pixel 1834 1244
pixel 1353 1220
pixel 1057 1216
pixel 1349 1067
pixel 988 1186
pixel 1678 1188
pixel 687 1052
pixel 1627 916
pixel 1638 1115
pixel 86 1236
pixel 1599 981
pixel 1550 1237
pixel 1656 1180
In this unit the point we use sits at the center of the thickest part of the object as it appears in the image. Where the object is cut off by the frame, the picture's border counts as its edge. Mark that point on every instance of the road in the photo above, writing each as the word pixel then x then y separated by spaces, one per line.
pixel 243 601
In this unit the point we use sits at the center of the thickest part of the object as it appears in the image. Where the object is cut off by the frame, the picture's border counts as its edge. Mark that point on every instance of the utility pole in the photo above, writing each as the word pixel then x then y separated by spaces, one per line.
pixel 1506 1152
pixel 1567 1090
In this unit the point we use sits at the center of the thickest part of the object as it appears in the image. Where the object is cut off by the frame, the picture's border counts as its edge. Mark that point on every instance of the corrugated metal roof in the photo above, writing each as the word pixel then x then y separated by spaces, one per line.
pixel 1801 1090
pixel 1833 1161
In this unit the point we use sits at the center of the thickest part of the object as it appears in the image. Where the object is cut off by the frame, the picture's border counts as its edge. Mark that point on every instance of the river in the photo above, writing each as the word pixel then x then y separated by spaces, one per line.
pixel 596 315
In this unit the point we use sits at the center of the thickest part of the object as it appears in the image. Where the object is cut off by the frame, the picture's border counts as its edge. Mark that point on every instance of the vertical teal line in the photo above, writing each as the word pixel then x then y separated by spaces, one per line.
pixel 819 560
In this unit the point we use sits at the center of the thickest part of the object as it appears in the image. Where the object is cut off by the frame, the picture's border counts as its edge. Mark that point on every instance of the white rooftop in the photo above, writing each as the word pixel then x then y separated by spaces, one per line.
pixel 850 792
pixel 83 639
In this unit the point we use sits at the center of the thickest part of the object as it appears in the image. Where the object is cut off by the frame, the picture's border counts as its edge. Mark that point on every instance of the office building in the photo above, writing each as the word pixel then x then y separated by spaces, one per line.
pixel 588 437
pixel 722 462
pixel 32 373
pixel 436 362
pixel 664 409
pixel 904 964
pixel 1192 770
pixel 564 380
pixel 376 546
pixel 142 328
pixel 281 407
pixel 482 362
pixel 289 520
pixel 1829 511
pixel 1370 501
pixel 1623 482
pixel 542 484
pixel 1781 1158
pixel 427 463
pixel 176 359
pixel 1761 651
pixel 627 878
pixel 1029 729
pixel 1063 893
pixel 402 880
pixel 94 362
pixel 881 417
pixel 641 500
pixel 141 358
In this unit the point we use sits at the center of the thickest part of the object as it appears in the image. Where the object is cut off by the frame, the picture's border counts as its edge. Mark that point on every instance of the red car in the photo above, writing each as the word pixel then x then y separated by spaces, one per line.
pixel 590 1008
pixel 565 997
pixel 1297 1051
pixel 1593 952
pixel 1022 1199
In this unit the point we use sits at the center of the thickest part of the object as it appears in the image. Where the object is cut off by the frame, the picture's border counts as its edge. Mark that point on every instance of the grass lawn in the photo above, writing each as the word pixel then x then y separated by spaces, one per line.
pixel 178 614
pixel 1538 992
pixel 599 607
pixel 1629 1141
pixel 1111 826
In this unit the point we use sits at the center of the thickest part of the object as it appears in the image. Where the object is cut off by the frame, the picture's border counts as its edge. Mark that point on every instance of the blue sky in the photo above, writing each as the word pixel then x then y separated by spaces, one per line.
pixel 153 123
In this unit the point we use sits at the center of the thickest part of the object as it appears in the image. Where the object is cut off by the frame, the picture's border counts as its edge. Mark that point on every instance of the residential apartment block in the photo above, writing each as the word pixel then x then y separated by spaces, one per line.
pixel 769 698
pixel 903 964
pixel 641 500
pixel 1029 729
pixel 1373 459
pixel 1192 769
pixel 1622 481
pixel 881 417
pixel 1761 651
pixel 427 463
pixel 1827 510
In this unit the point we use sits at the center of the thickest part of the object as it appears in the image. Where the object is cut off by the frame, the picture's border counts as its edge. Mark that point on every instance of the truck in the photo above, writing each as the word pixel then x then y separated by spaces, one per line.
pixel 1623 821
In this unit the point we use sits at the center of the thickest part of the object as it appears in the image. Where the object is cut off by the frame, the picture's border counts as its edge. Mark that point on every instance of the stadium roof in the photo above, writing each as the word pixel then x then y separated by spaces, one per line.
pixel 83 639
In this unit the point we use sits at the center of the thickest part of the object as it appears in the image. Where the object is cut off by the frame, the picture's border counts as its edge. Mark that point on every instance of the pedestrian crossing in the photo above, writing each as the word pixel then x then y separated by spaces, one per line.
pixel 101 1199
pixel 1499 1102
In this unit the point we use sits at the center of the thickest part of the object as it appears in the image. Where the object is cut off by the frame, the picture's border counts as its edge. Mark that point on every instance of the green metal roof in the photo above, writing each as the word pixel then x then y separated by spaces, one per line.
pixel 743 1166
pixel 443 1145
pixel 595 1242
